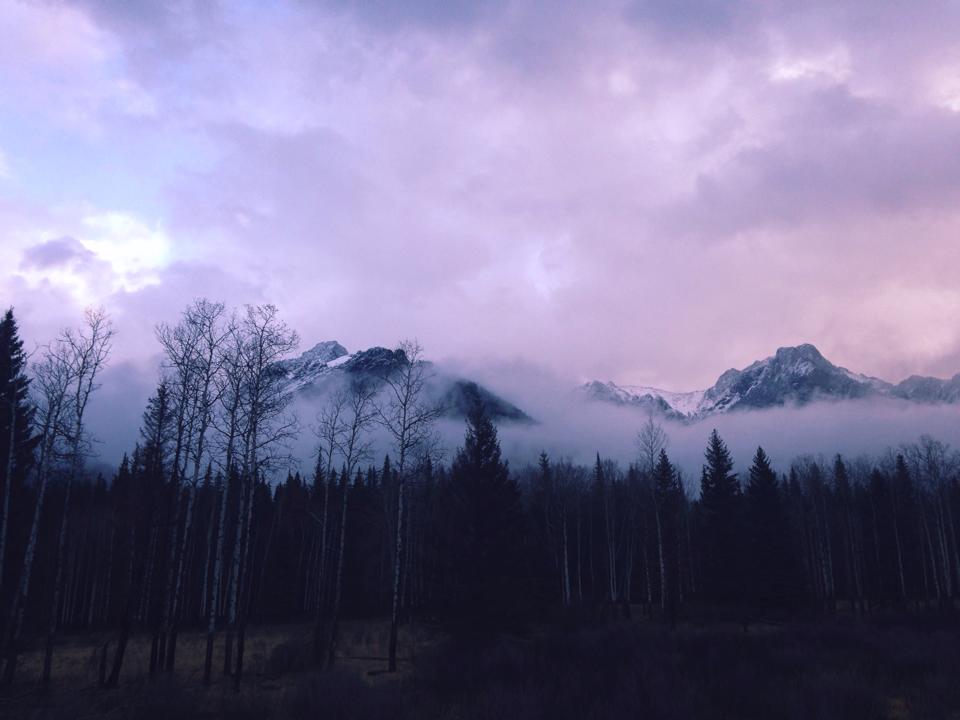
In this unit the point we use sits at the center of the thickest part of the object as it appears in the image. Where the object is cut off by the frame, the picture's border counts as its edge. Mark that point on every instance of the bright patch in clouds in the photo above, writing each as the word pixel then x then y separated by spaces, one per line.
pixel 99 255
pixel 132 248
pixel 549 176
pixel 945 88
pixel 833 67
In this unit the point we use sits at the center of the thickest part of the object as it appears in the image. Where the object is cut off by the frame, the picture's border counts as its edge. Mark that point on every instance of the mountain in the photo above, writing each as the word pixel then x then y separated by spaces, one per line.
pixel 317 370
pixel 929 389
pixel 792 376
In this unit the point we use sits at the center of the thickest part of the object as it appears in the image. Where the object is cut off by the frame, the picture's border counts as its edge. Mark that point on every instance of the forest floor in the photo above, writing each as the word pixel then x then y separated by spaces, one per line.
pixel 275 658
pixel 841 668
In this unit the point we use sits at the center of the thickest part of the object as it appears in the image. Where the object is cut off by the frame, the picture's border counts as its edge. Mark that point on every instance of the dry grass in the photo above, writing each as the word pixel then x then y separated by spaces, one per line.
pixel 828 670
pixel 276 658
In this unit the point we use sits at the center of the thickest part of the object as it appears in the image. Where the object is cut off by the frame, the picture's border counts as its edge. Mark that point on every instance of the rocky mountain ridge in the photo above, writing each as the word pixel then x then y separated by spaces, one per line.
pixel 315 371
pixel 791 376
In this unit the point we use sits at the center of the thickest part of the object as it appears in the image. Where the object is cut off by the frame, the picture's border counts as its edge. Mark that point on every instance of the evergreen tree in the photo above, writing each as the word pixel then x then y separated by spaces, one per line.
pixel 157 433
pixel 669 497
pixel 769 551
pixel 16 429
pixel 720 524
pixel 483 541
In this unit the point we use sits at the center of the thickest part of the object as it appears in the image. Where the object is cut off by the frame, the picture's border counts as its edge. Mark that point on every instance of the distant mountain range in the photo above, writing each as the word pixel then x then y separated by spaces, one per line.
pixel 324 365
pixel 792 376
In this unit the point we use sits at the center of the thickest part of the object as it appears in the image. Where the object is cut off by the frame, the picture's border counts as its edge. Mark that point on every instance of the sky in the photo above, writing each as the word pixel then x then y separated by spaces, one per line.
pixel 647 192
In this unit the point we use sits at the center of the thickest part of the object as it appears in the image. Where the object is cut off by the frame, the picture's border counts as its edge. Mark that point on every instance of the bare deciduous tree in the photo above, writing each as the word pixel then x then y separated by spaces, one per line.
pixel 355 447
pixel 330 431
pixel 50 387
pixel 193 354
pixel 408 417
pixel 85 353
pixel 651 440
pixel 265 434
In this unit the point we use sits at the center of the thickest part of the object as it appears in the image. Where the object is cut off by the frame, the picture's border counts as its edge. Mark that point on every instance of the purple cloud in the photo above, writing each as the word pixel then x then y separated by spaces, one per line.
pixel 640 191
pixel 57 253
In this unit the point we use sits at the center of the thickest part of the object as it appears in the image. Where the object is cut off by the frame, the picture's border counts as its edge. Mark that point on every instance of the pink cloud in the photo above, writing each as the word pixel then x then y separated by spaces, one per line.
pixel 618 190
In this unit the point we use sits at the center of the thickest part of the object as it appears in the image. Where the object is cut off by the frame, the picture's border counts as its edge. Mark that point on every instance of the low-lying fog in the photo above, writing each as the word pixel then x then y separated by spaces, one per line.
pixel 567 425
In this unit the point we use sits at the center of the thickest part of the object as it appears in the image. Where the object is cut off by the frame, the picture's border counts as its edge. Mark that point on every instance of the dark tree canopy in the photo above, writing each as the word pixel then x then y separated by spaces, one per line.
pixel 720 524
pixel 483 539
pixel 769 553
pixel 15 405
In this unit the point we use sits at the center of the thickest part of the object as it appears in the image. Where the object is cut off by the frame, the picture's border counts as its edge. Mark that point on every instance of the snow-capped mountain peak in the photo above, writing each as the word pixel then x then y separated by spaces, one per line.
pixel 322 367
pixel 324 352
pixel 792 375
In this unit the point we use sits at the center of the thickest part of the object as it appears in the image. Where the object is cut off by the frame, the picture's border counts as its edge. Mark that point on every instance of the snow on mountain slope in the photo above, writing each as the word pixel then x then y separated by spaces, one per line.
pixel 793 375
pixel 320 368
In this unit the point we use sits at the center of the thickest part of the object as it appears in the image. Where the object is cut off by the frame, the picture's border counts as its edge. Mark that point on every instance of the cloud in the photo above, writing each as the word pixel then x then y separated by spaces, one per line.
pixel 639 191
pixel 571 427
pixel 57 253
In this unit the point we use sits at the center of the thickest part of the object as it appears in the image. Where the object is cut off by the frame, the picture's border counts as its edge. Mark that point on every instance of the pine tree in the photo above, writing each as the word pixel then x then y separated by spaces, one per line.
pixel 668 493
pixel 483 543
pixel 720 524
pixel 157 433
pixel 16 427
pixel 769 551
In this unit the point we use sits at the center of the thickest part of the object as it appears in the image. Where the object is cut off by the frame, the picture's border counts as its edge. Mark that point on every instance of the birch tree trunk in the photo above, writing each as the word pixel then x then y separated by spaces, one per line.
pixel 408 418
pixel 215 583
pixel 85 355
pixel 125 622
pixel 898 544
pixel 23 591
pixel 397 558
pixel 57 583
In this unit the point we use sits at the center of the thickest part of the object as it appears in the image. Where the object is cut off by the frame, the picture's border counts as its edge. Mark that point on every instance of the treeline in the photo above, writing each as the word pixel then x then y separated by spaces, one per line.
pixel 205 525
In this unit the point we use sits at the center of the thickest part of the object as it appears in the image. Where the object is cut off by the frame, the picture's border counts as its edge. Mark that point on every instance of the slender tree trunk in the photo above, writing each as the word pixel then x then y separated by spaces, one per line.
pixel 125 622
pixel 143 610
pixel 214 602
pixel 23 591
pixel 338 580
pixel 930 550
pixel 398 556
pixel 245 583
pixel 57 586
pixel 246 591
pixel 166 611
pixel 579 558
pixel 107 595
pixel 177 602
pixel 899 547
pixel 235 579
pixel 663 566
pixel 646 577
pixel 8 481
pixel 950 532
pixel 611 537
pixel 944 551
pixel 566 560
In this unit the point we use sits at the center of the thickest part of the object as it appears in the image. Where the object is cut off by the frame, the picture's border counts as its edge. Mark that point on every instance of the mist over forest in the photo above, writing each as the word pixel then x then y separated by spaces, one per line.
pixel 479 359
pixel 568 425
pixel 397 499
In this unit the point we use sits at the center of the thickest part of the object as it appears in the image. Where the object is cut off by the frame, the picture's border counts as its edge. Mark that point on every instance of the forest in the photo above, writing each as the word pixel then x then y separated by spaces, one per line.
pixel 208 532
